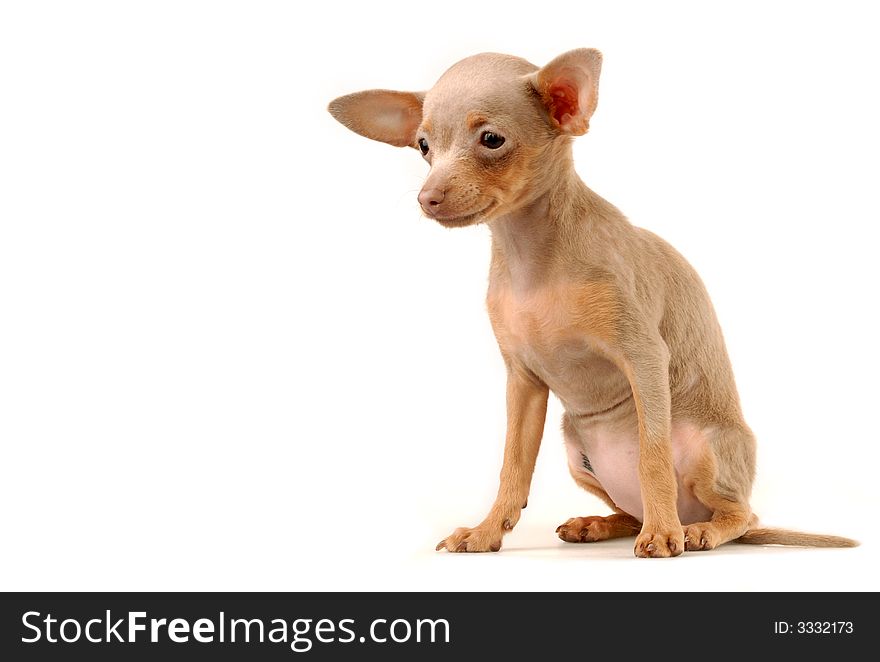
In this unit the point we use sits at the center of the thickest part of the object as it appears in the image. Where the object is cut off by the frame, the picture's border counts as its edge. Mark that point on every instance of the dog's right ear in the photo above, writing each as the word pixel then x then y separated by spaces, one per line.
pixel 385 115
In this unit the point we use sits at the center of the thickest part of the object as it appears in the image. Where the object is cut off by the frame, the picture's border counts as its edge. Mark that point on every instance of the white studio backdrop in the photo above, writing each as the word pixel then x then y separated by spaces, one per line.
pixel 233 355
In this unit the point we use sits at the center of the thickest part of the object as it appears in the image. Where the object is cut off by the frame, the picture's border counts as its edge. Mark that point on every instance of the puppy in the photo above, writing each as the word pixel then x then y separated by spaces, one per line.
pixel 607 316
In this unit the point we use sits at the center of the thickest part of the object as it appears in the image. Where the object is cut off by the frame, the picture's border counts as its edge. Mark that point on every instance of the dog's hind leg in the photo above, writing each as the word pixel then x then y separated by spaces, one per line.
pixel 594 529
pixel 722 481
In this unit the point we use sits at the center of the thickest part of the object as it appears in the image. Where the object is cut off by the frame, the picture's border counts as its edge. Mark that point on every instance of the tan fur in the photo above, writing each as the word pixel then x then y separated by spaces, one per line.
pixel 594 529
pixel 607 315
pixel 592 486
pixel 785 537
pixel 526 411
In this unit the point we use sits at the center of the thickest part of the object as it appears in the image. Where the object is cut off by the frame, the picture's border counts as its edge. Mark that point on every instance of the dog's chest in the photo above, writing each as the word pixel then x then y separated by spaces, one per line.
pixel 557 333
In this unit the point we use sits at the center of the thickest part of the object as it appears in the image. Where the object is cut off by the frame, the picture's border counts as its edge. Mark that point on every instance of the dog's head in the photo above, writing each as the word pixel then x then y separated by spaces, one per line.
pixel 493 128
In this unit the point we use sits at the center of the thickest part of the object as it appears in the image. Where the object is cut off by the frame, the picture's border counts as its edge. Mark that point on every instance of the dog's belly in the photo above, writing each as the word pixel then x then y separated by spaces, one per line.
pixel 601 427
pixel 608 451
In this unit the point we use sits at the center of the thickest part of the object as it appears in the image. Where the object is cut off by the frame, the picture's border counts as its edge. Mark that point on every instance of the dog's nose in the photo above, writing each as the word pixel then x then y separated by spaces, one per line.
pixel 430 199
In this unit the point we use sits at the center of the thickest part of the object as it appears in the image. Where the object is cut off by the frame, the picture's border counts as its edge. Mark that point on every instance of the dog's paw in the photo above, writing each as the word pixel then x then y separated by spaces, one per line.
pixel 471 540
pixel 700 537
pixel 583 529
pixel 659 543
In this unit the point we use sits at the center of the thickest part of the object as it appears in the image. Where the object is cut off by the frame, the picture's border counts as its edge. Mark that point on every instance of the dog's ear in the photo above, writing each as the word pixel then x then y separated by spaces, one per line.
pixel 385 115
pixel 569 89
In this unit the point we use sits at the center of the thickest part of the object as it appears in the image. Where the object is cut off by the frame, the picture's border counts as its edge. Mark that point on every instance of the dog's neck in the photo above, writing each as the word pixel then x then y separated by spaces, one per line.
pixel 527 241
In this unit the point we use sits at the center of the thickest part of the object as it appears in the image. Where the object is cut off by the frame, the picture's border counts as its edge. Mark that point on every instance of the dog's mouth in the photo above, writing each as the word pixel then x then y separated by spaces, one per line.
pixel 464 220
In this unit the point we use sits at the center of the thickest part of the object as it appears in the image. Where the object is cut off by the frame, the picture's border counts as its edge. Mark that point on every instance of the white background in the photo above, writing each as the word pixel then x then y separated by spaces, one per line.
pixel 233 355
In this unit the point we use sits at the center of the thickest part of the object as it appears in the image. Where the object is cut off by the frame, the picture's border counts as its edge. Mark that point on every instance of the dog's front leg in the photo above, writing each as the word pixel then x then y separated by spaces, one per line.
pixel 526 412
pixel 646 365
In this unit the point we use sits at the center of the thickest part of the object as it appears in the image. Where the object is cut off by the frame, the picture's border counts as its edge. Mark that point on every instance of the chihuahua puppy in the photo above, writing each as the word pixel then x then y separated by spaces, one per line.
pixel 607 316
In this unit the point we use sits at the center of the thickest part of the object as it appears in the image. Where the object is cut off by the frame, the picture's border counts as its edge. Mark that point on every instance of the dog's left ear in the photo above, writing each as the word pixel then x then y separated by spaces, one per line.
pixel 569 88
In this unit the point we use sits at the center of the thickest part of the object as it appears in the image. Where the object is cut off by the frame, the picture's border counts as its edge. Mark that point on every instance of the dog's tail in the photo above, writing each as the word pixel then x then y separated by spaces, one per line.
pixel 785 537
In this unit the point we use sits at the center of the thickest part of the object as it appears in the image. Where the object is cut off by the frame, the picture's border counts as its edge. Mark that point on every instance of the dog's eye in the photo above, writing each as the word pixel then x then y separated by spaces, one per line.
pixel 491 140
pixel 423 146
